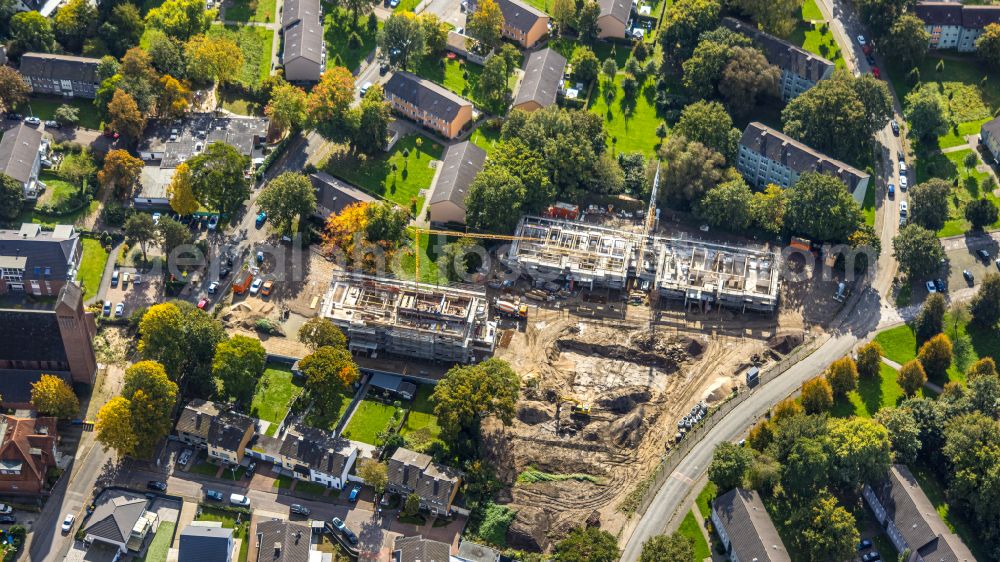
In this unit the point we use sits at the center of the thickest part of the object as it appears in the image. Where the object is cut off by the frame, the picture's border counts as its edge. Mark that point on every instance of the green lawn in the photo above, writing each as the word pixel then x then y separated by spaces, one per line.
pixel 406 6
pixel 630 123
pixel 934 489
pixel 337 29
pixel 705 496
pixel 160 545
pixel 872 395
pixel 485 137
pixel 256 44
pixel 812 37
pixel 92 263
pixel 334 411
pixel 543 5
pixel 58 191
pixel 275 392
pixel 810 11
pixel 369 418
pixel 950 166
pixel 204 468
pixel 458 75
pixel 250 10
pixel 231 101
pixel 900 345
pixel 376 175
pixel 690 529
pixel 868 205
pixel 429 272
pixel 44 108
pixel 228 520
pixel 603 49
pixel 421 427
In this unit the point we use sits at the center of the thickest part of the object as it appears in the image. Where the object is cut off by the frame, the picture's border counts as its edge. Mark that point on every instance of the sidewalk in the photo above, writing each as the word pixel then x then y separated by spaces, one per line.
pixel 928 385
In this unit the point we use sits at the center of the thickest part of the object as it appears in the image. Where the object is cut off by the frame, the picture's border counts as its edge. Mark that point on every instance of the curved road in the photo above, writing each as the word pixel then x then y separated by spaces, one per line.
pixel 859 320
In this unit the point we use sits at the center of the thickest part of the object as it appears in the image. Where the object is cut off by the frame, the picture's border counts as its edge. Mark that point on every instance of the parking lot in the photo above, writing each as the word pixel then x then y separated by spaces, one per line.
pixel 962 254
pixel 133 296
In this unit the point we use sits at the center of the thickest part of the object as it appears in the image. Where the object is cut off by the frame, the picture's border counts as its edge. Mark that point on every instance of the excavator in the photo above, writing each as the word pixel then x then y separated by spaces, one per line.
pixel 580 410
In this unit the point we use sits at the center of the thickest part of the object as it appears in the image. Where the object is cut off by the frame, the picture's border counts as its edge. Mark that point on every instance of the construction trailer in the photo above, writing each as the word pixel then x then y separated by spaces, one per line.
pixel 411 320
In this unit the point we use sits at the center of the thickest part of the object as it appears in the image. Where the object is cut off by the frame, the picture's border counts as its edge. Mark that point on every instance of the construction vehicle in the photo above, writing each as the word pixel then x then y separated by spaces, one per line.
pixel 242 282
pixel 579 408
pixel 512 310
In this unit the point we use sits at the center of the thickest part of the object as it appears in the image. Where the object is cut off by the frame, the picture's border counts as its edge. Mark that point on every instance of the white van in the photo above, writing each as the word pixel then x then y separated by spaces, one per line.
pixel 237 499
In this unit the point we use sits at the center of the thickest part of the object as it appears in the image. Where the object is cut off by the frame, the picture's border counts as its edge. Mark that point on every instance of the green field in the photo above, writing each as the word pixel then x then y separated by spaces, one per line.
pixel 603 49
pixel 690 529
pixel 275 392
pixel 630 123
pixel 812 38
pixel 421 427
pixel 92 263
pixel 250 10
pixel 255 42
pixel 900 345
pixel 45 107
pixel 337 29
pixel 160 545
pixel 457 75
pixel 406 6
pixel 391 176
pixel 868 206
pixel 704 499
pixel 370 417
pixel 429 272
pixel 950 166
pixel 872 395
pixel 485 137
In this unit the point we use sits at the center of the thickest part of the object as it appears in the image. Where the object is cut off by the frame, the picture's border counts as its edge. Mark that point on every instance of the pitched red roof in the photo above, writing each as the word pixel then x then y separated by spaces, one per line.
pixel 29 441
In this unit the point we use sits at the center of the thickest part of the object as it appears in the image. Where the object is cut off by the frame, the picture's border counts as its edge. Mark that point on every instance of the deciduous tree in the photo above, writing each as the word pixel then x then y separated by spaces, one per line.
pixel 114 426
pixel 123 28
pixel 173 234
pixel 494 201
pixel 121 170
pixel 820 208
pixel 925 112
pixel 587 544
pixel 972 450
pixel 320 332
pixel 435 32
pixel 767 208
pixel 918 251
pixel 213 59
pixel 564 12
pixel 174 97
pixel 586 67
pixel 747 78
pixel 217 176
pixel 879 15
pixel 140 229
pixel 817 395
pixel 181 19
pixel 727 205
pixel 486 24
pixel 807 467
pixel 180 191
pixel 11 197
pixel 13 89
pixel 935 355
pixel 708 123
pixel 469 393
pixel 824 530
pixel 668 548
pixel 842 375
pixel 861 450
pixel 586 20
pixel 30 32
pixel 869 360
pixel 908 40
pixel 929 203
pixel 166 53
pixel 683 22
pixel 402 37
pixel 690 170
pixel 374 473
pixel 988 45
pixel 125 117
pixel 930 320
pixel 152 397
pixel 985 306
pixel 74 22
pixel 328 371
pixel 287 107
pixel 493 89
pixel 345 229
pixel 904 433
pixel 287 199
pixel 981 213
pixel 52 396
pixel 183 339
pixel 328 106
pixel 775 17
pixel 730 463
pixel 238 365
pixel 67 115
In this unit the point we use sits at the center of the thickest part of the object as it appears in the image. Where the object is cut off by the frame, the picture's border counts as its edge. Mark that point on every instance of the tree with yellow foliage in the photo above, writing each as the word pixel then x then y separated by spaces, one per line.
pixel 121 170
pixel 328 107
pixel 211 59
pixel 486 23
pixel 174 98
pixel 817 395
pixel 287 107
pixel 345 229
pixel 53 397
pixel 114 426
pixel 181 191
pixel 124 116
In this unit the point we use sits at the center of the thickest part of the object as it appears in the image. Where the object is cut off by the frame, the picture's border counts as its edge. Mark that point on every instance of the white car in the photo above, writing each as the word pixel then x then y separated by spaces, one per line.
pixel 107 308
pixel 930 287
pixel 185 457
pixel 903 208
pixel 6 509
pixel 861 40
pixel 119 310
pixel 237 499
pixel 67 523
pixel 365 88
pixel 213 287
pixel 255 287
pixel 903 182
pixel 156 218
pixel 902 167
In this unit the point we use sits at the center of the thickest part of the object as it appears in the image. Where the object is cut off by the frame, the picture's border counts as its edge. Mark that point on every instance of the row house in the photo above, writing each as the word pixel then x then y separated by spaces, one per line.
pixel 437 485
pixel 224 434
pixel 522 23
pixel 61 75
pixel 428 104
pixel 952 25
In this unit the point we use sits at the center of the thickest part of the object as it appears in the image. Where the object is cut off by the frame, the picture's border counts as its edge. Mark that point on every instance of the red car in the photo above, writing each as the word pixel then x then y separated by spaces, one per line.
pixel 876 73
pixel 202 303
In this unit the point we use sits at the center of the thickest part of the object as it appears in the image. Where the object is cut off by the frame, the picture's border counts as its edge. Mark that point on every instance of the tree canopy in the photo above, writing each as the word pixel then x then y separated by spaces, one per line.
pixel 469 393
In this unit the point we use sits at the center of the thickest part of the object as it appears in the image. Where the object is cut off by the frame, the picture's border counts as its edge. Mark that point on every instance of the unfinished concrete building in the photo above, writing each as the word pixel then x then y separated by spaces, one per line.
pixel 584 254
pixel 693 272
pixel 411 319
pixel 706 274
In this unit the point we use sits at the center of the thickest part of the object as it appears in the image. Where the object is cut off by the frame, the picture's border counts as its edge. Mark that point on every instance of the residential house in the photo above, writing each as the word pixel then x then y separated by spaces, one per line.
pixel 206 541
pixel 416 473
pixel 207 424
pixel 278 540
pixel 419 549
pixel 461 163
pixel 120 520
pixel 428 104
pixel 543 76
pixel 55 338
pixel 769 156
pixel 27 452
pixel 522 23
pixel 61 75
pixel 911 521
pixel 953 25
pixel 469 551
pixel 21 152
pixel 989 134
pixel 462 45
pixel 38 262
pixel 392 385
pixel 800 69
pixel 745 528
pixel 315 455
pixel 304 53
pixel 332 195
pixel 614 18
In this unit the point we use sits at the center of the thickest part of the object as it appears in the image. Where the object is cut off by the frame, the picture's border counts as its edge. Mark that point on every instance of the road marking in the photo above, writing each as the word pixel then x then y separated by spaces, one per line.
pixel 681 477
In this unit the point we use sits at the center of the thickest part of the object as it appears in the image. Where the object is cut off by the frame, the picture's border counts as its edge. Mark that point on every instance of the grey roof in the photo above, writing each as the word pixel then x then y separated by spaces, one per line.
pixel 992 127
pixel 618 9
pixel 419 549
pixel 460 165
pixel 317 449
pixel 203 543
pixel 978 17
pixel 304 39
pixel 332 194
pixel 179 140
pixel 473 552
pixel 295 10
pixel 426 95
pixel 939 13
pixel 16 384
pixel 519 15
pixel 282 541
pixel 417 471
pixel 543 72
pixel 48 254
pixel 228 429
pixel 18 150
pixel 779 147
pixel 196 417
pixel 783 54
pixel 60 67
pixel 915 517
pixel 751 532
pixel 114 519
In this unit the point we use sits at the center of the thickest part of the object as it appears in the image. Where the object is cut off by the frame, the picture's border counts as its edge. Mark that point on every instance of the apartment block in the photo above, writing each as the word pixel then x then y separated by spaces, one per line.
pixel 61 75
pixel 955 26
pixel 412 320
pixel 522 23
pixel 428 104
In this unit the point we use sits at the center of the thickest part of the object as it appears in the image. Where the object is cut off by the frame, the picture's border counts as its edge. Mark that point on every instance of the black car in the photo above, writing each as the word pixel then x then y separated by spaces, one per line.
pixel 250 469
pixel 157 485
pixel 895 127
pixel 350 536
pixel 383 68
pixel 7 519
pixel 297 509
pixel 864 545
pixel 870 58
pixel 872 556
pixel 968 276
pixel 223 272
pixel 983 255
pixel 940 286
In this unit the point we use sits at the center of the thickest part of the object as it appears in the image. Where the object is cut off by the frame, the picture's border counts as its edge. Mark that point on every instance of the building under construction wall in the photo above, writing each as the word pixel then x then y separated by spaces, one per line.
pixel 588 255
pixel 697 273
pixel 412 319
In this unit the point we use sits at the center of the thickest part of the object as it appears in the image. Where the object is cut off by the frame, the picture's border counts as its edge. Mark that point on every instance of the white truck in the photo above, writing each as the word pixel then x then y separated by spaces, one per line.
pixel 512 310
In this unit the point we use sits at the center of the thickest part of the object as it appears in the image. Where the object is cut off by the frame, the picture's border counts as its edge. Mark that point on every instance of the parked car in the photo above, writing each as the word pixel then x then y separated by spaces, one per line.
pixel 32 121
pixel 903 208
pixel 861 40
pixel 213 222
pixel 255 286
pixel 250 469
pixel 365 87
pixel 224 272
pixel 353 497
pixel 895 127
pixel 136 279
pixel 259 257
pixel 107 308
pixel 261 219
pixel 871 556
pixel 338 524
pixel 349 534
pixel 120 310
pixel 297 509
pixel 903 181
pixel 157 485
pixel 52 125
pixel 114 278
pixel 892 190
pixel 185 457
pixel 983 255
pixel 6 509
pixel 971 279
pixel 870 58
pixel 125 279
pixel 931 287
pixel 67 523
pixel 240 500
pixel 267 288
pixel 393 3
pixel 156 218
pixel 876 72
pixel 202 304
pixel 902 167
pixel 213 495
pixel 213 286
pixel 7 519
pixel 940 286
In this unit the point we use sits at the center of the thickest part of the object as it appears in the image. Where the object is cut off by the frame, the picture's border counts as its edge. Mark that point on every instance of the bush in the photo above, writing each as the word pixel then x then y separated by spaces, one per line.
pixel 935 355
pixel 496 520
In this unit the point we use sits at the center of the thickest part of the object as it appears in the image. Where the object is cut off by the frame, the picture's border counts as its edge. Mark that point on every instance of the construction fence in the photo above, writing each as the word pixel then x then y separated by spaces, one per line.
pixel 673 457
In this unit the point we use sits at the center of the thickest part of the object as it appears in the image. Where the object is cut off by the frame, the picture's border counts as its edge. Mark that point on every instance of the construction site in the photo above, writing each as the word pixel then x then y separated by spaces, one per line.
pixel 411 319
